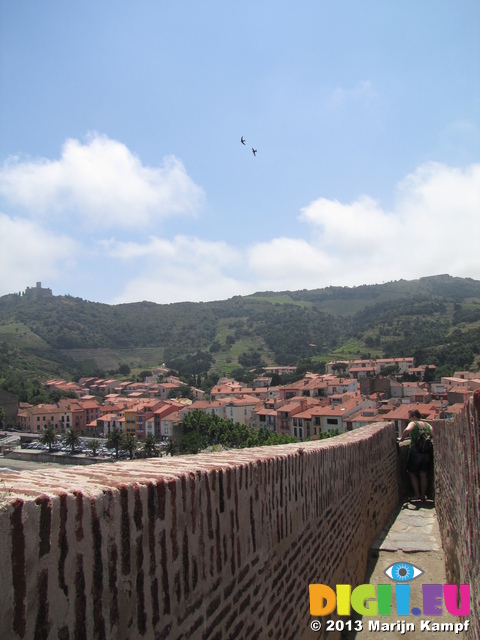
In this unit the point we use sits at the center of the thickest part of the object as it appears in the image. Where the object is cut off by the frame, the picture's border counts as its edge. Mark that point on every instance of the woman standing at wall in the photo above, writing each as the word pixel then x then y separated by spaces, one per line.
pixel 419 453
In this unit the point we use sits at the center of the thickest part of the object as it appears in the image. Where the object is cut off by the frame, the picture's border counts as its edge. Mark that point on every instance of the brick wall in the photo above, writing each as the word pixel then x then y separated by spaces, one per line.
pixel 457 484
pixel 211 546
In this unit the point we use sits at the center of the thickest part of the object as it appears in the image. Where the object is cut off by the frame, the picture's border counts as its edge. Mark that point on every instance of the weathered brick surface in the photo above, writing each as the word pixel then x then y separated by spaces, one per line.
pixel 209 546
pixel 457 486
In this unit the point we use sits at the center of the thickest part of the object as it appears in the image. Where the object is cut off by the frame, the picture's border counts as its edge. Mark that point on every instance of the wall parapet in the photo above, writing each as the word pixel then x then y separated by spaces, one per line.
pixel 211 546
pixel 457 498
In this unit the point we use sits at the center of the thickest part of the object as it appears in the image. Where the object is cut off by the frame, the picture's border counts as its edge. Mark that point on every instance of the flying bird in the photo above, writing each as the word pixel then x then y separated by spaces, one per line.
pixel 242 140
pixel 254 151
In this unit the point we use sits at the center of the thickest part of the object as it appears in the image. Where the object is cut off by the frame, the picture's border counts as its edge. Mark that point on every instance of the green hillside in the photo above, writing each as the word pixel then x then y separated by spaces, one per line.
pixel 436 319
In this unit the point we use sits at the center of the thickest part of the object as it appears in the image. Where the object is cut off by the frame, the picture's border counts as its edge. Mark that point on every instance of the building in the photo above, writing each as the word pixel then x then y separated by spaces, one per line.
pixel 108 423
pixel 400 414
pixel 37 291
pixel 163 413
pixel 36 418
pixel 336 416
pixel 9 403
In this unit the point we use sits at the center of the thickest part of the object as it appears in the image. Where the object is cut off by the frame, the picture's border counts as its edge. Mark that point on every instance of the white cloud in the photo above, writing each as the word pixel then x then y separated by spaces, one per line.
pixel 183 269
pixel 433 228
pixel 441 209
pixel 355 227
pixel 283 262
pixel 103 183
pixel 30 254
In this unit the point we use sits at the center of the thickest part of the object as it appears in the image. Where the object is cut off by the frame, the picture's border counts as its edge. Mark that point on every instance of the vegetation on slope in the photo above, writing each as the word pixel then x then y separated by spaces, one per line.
pixel 435 319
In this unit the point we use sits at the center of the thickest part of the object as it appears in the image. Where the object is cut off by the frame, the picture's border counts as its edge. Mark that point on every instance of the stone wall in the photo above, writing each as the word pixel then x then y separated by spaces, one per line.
pixel 211 546
pixel 457 484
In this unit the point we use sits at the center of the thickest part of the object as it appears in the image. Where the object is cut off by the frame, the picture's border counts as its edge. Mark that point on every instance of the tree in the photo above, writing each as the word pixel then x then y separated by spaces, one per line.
pixel 150 445
pixel 202 430
pixel 115 440
pixel 429 374
pixel 130 444
pixel 48 436
pixel 171 448
pixel 185 391
pixel 389 370
pixel 191 443
pixel 2 416
pixel 251 358
pixel 72 439
pixel 57 394
pixel 329 434
pixel 276 380
pixel 124 370
pixel 94 446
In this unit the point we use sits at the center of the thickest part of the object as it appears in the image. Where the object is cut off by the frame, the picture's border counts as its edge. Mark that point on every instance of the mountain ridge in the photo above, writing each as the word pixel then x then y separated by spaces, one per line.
pixel 434 317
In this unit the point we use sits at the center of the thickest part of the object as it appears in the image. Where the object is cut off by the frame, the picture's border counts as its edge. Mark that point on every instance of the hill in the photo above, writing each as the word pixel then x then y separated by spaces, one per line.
pixel 436 319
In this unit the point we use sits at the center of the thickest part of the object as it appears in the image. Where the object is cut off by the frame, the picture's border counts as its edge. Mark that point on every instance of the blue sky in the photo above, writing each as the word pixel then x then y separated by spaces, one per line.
pixel 122 175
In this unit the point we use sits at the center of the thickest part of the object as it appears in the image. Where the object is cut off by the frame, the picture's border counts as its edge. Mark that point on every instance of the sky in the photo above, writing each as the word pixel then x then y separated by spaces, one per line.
pixel 122 173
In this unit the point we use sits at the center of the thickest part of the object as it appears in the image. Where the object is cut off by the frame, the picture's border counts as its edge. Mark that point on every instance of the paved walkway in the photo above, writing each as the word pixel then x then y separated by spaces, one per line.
pixel 411 537
pixel 412 528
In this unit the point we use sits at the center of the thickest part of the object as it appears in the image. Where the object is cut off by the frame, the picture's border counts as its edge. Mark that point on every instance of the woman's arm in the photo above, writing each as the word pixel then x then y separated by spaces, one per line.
pixel 408 429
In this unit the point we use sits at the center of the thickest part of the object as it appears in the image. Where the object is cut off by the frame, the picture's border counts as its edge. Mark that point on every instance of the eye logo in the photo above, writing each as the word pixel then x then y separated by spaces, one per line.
pixel 371 600
pixel 403 572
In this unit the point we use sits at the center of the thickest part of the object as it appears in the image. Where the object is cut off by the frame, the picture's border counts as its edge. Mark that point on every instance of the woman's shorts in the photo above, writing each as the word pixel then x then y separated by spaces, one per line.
pixel 417 461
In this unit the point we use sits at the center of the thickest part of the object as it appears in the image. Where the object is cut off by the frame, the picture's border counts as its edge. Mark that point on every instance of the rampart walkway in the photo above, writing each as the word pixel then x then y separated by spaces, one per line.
pixel 224 546
pixel 411 537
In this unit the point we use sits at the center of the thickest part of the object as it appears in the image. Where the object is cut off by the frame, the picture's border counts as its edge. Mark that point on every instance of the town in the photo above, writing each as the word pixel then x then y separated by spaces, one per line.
pixel 348 396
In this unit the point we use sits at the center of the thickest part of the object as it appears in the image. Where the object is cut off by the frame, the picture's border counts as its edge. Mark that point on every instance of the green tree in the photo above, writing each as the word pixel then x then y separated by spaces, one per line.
pixel 115 441
pixel 48 436
pixel 215 347
pixel 72 439
pixel 94 446
pixel 329 434
pixel 2 417
pixel 185 391
pixel 171 448
pixel 191 443
pixel 429 374
pixel 340 367
pixel 202 430
pixel 276 380
pixel 56 394
pixel 39 396
pixel 150 445
pixel 389 370
pixel 130 444
pixel 124 370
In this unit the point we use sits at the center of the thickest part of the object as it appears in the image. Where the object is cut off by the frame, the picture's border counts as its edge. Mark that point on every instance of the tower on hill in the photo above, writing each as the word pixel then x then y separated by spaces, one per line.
pixel 37 291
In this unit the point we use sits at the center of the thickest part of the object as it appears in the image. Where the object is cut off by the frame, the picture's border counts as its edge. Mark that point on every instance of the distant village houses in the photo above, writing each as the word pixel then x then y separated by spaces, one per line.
pixel 340 400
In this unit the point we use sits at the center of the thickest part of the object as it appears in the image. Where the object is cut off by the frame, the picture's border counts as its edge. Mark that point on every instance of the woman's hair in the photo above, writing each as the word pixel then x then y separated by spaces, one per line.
pixel 415 413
